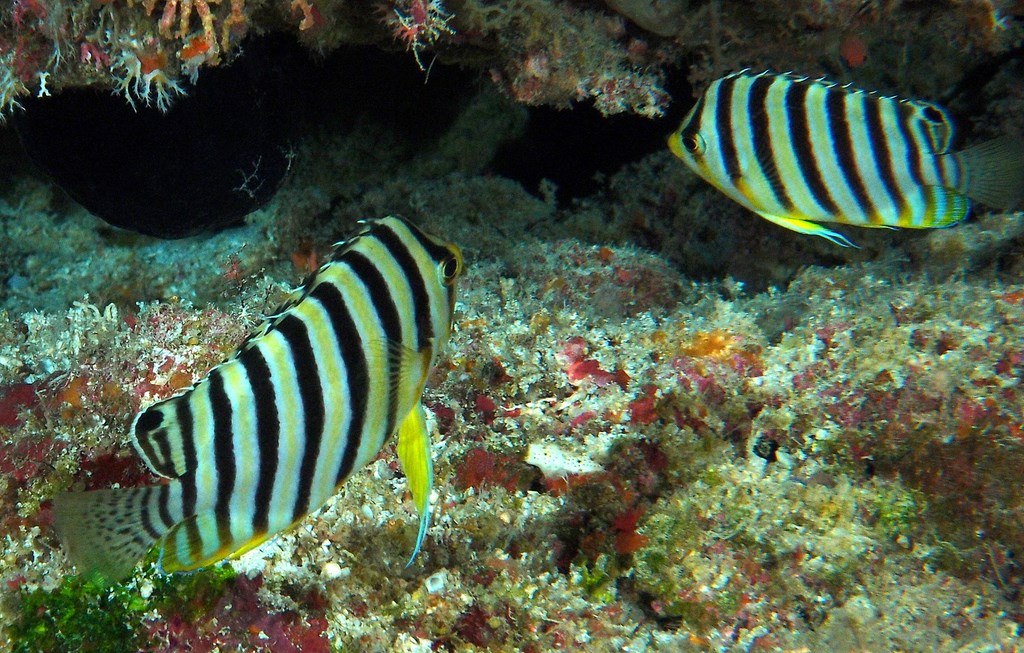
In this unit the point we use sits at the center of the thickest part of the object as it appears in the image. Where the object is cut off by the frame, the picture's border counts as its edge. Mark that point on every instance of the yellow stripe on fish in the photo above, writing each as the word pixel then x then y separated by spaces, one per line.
pixel 800 151
pixel 270 434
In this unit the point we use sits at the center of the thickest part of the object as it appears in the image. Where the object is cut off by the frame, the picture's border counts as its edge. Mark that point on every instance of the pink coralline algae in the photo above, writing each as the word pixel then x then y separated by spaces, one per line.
pixel 14 400
pixel 238 620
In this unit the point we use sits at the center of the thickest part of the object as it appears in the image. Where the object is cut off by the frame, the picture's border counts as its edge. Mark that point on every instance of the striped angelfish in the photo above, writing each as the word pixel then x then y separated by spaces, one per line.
pixel 270 434
pixel 800 151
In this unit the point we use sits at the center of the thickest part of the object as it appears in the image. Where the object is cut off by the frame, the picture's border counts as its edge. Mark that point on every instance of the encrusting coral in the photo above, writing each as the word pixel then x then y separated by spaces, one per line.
pixel 712 473
pixel 615 54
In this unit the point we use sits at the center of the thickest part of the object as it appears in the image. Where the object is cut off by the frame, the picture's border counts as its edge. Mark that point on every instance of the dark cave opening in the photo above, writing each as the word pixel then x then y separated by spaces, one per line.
pixel 575 147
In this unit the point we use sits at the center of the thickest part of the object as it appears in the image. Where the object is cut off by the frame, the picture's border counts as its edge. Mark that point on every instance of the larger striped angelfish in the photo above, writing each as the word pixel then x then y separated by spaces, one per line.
pixel 800 151
pixel 270 434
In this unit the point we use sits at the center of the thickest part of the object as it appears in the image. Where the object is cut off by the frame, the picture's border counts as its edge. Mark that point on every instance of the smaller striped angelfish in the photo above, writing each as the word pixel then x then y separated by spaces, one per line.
pixel 270 434
pixel 800 151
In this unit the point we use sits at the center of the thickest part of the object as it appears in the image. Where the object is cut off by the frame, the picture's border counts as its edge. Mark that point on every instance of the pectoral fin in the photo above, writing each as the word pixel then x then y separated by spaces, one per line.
pixel 414 453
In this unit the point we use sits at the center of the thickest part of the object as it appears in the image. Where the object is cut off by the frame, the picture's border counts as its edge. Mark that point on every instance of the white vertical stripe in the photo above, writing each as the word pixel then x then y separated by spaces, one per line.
pixel 278 356
pixel 824 152
pixel 430 271
pixel 780 135
pixel 864 155
pixel 714 156
pixel 206 458
pixel 743 139
pixel 374 347
pixel 245 441
pixel 338 403
pixel 333 379
pixel 951 171
pixel 900 151
pixel 174 503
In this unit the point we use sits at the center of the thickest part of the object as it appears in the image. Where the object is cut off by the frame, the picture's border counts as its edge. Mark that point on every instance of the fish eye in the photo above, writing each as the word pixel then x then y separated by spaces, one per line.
pixel 451 266
pixel 693 142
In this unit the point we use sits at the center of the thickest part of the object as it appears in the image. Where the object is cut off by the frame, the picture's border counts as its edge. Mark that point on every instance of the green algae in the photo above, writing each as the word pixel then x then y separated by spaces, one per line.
pixel 597 579
pixel 79 615
pixel 191 596
pixel 899 511
pixel 84 614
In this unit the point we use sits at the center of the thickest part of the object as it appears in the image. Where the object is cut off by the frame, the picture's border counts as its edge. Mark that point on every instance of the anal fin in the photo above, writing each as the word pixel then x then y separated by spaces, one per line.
pixel 806 227
pixel 414 453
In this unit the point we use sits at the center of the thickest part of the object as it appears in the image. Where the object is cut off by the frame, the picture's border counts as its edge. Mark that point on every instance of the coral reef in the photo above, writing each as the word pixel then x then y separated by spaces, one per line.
pixel 614 54
pixel 660 425
pixel 625 456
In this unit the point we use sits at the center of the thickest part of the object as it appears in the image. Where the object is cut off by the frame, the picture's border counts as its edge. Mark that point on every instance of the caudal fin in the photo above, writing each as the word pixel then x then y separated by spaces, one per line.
pixel 994 172
pixel 105 532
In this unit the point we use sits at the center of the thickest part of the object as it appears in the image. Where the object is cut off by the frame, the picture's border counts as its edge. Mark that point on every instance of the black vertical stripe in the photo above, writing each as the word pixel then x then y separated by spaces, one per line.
pixel 379 293
pixel 144 436
pixel 388 316
pixel 695 120
pixel 144 510
pixel 796 107
pixel 268 431
pixel 224 453
pixel 295 333
pixel 880 149
pixel 757 113
pixel 724 128
pixel 164 510
pixel 905 116
pixel 420 297
pixel 195 541
pixel 150 419
pixel 183 415
pixel 842 145
pixel 164 464
pixel 350 343
pixel 434 250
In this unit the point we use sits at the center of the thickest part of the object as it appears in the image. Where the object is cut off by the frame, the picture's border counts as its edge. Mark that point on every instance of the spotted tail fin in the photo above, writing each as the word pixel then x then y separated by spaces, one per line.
pixel 107 532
